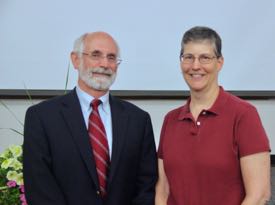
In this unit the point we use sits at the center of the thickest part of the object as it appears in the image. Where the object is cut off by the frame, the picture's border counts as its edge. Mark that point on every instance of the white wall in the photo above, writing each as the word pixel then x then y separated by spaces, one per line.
pixel 36 38
pixel 157 109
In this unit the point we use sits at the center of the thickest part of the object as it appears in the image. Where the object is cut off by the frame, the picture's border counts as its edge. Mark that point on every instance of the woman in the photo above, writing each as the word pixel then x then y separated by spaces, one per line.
pixel 213 150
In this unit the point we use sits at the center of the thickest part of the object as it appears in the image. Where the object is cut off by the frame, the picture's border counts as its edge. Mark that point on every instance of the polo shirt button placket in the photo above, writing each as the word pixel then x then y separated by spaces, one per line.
pixel 197 127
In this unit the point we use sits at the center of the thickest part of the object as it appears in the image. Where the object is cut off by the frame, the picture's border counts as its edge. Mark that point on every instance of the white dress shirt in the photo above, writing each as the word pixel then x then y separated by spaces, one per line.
pixel 104 110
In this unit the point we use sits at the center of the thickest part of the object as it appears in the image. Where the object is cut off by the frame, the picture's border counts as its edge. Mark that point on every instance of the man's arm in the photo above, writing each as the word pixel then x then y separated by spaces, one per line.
pixel 162 187
pixel 147 173
pixel 256 176
pixel 40 184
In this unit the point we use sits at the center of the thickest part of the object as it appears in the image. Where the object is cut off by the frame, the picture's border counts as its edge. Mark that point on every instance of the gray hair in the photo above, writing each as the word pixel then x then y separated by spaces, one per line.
pixel 79 44
pixel 201 33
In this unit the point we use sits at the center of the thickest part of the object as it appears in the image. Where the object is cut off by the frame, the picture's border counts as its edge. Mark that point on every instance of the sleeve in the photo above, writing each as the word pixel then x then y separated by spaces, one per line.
pixel 147 173
pixel 162 134
pixel 41 187
pixel 251 136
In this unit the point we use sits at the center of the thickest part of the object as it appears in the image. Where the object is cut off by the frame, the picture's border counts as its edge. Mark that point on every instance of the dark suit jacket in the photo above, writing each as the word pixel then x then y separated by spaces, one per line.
pixel 59 168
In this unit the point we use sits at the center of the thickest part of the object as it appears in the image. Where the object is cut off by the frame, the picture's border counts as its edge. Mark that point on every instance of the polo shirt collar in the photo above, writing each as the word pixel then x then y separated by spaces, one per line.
pixel 215 109
pixel 185 111
pixel 220 102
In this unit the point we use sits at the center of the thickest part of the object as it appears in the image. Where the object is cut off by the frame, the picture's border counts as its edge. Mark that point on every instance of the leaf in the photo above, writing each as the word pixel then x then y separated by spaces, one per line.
pixel 67 77
pixel 28 93
pixel 14 130
pixel 12 113
pixel 3 188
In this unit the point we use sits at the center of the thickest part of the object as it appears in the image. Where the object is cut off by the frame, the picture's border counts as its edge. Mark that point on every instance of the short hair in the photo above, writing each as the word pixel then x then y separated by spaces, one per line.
pixel 202 33
pixel 79 44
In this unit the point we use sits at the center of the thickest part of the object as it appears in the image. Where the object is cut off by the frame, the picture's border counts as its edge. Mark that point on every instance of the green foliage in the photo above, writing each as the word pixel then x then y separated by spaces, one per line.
pixel 11 172
pixel 10 197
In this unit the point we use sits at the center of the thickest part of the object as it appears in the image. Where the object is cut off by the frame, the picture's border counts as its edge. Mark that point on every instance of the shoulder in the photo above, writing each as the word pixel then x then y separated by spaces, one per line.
pixel 53 103
pixel 238 104
pixel 126 106
pixel 175 113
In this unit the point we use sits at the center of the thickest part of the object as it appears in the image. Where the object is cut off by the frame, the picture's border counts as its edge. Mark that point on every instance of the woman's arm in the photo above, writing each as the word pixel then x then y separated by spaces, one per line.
pixel 256 176
pixel 162 187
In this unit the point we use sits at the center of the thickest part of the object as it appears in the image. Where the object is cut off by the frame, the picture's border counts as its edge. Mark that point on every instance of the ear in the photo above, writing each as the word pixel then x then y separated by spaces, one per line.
pixel 220 63
pixel 75 60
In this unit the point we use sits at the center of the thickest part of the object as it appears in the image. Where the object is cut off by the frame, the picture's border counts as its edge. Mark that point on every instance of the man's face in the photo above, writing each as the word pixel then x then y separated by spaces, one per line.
pixel 201 74
pixel 97 64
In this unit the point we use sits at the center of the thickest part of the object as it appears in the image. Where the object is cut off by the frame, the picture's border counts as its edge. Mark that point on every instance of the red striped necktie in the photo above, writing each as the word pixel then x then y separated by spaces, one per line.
pixel 99 143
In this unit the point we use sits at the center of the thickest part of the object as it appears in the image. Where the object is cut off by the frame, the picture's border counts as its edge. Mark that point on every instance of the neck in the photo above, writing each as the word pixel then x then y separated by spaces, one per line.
pixel 93 92
pixel 205 97
pixel 203 100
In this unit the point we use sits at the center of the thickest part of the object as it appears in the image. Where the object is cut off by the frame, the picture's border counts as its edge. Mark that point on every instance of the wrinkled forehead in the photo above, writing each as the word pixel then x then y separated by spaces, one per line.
pixel 100 42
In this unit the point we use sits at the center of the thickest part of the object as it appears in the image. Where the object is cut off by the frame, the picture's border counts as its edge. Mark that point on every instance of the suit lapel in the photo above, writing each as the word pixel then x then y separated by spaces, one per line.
pixel 119 125
pixel 72 113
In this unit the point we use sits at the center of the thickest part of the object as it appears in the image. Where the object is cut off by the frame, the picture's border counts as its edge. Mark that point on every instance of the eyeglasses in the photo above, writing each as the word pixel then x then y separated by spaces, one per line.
pixel 97 56
pixel 203 59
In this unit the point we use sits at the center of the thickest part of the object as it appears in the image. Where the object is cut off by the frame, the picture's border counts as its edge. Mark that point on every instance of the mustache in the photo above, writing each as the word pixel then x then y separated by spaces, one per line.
pixel 100 70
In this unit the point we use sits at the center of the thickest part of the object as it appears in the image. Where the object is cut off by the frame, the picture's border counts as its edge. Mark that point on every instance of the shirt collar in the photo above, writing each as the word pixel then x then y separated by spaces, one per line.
pixel 220 102
pixel 185 111
pixel 215 109
pixel 85 100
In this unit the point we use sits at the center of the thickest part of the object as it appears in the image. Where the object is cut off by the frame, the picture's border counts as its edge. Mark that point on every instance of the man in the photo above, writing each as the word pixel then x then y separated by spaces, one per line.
pixel 66 162
pixel 213 150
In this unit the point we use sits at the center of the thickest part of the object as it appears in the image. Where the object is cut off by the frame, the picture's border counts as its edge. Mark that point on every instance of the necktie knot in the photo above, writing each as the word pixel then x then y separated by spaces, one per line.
pixel 95 103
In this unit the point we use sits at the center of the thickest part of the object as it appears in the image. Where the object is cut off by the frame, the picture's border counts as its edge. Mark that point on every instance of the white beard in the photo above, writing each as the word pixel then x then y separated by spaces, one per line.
pixel 97 82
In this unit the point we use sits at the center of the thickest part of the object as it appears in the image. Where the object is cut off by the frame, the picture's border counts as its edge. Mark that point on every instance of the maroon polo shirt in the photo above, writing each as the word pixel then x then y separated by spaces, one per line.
pixel 202 158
